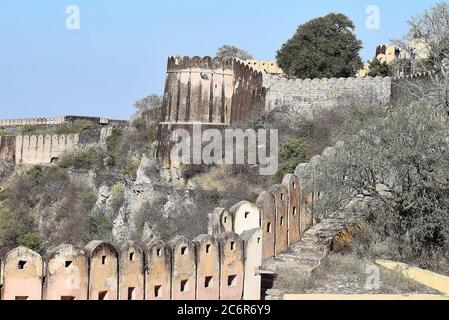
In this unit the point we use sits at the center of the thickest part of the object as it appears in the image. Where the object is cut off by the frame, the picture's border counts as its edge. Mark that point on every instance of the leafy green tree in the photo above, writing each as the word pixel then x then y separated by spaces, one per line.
pixel 228 51
pixel 378 69
pixel 323 47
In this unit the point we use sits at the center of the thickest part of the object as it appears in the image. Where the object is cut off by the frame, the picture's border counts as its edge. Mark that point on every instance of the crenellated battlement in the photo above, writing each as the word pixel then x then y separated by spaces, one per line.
pixel 32 121
pixel 55 121
pixel 205 64
pixel 418 76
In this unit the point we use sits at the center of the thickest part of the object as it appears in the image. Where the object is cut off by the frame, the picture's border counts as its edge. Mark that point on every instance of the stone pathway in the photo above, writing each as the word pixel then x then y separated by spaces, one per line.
pixel 307 264
pixel 306 256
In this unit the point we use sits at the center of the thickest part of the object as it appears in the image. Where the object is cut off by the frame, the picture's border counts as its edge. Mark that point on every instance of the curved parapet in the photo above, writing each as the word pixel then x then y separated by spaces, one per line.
pixel 131 272
pixel 232 266
pixel 245 216
pixel 103 276
pixel 252 242
pixel 183 280
pixel 66 276
pixel 220 221
pixel 267 206
pixel 212 90
pixel 22 275
pixel 208 268
pixel 292 184
pixel 158 271
pixel 280 194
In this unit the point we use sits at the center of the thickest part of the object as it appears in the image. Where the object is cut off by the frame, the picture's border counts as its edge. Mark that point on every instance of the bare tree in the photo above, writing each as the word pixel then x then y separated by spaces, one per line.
pixel 429 32
pixel 402 162
pixel 150 102
pixel 228 51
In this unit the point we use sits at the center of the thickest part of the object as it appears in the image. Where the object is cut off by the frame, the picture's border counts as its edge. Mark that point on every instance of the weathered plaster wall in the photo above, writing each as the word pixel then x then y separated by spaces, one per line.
pixel 183 280
pixel 267 205
pixel 158 271
pixel 208 268
pixel 66 274
pixel 220 221
pixel 252 240
pixel 103 272
pixel 210 90
pixel 43 149
pixel 281 198
pixel 131 275
pixel 22 275
pixel 246 216
pixel 291 182
pixel 232 266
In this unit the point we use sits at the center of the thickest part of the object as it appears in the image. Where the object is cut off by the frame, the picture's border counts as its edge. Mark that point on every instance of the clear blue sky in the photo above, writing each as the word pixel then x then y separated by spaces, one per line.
pixel 119 54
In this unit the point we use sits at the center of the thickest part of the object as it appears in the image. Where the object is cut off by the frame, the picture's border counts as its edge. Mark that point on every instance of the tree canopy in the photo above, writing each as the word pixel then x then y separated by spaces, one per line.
pixel 322 47
pixel 378 69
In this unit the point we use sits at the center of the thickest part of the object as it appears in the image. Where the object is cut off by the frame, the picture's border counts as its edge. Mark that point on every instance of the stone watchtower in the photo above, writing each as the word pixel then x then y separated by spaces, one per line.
pixel 216 92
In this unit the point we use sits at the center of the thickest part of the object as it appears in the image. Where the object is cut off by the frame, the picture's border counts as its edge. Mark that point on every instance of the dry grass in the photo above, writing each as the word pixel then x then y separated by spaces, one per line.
pixel 224 178
pixel 346 274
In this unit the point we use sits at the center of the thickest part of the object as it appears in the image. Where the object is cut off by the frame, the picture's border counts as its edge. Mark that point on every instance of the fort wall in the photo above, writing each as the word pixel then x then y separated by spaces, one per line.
pixel 56 121
pixel 212 90
pixel 208 268
pixel 310 97
pixel 42 149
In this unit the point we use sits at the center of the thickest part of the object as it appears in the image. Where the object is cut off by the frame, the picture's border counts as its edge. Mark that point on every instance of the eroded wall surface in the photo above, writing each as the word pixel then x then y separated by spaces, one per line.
pixel 212 90
pixel 43 149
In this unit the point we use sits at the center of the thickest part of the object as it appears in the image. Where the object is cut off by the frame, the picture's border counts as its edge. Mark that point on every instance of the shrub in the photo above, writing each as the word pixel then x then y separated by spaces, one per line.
pixel 4 132
pixel 78 126
pixel 96 226
pixel 14 224
pixel 89 158
pixel 30 240
pixel 293 153
pixel 378 69
pixel 117 197
pixel 29 130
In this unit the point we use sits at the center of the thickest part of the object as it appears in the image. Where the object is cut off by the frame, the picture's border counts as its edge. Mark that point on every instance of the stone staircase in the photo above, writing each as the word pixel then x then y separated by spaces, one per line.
pixel 306 256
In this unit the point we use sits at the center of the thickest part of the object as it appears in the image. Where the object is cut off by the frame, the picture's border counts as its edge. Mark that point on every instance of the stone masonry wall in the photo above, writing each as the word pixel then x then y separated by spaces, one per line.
pixel 310 97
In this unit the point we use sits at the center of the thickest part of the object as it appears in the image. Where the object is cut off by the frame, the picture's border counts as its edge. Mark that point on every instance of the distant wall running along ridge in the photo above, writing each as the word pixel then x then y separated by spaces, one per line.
pixel 56 121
